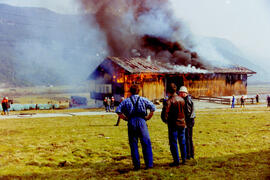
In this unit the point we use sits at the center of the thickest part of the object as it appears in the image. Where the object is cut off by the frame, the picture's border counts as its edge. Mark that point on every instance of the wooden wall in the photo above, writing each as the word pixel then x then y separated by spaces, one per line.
pixel 151 86
pixel 153 90
pixel 215 87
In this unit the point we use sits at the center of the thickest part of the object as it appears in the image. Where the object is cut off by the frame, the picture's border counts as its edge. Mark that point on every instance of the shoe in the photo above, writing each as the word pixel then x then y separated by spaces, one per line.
pixel 174 164
pixel 146 168
pixel 136 168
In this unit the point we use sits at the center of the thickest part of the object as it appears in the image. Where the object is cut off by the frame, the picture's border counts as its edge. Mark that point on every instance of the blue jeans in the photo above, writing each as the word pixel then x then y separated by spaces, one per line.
pixel 174 135
pixel 107 108
pixel 137 129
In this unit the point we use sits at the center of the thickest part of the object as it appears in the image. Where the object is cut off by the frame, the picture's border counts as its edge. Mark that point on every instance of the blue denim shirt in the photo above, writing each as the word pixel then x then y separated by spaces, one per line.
pixel 126 106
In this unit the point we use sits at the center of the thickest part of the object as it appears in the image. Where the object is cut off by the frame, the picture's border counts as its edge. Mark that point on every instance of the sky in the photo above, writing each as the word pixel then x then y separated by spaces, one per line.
pixel 59 6
pixel 244 22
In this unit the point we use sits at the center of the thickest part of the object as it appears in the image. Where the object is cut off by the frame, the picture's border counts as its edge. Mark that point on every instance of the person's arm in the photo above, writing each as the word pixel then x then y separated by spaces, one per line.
pixel 122 116
pixel 149 116
pixel 119 111
pixel 167 110
pixel 152 107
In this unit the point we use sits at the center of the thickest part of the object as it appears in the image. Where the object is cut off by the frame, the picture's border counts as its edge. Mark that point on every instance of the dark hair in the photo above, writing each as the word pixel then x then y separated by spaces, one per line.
pixel 172 88
pixel 134 89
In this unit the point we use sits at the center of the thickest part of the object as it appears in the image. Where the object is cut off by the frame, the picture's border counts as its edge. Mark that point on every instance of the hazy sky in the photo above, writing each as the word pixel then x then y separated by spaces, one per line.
pixel 245 22
pixel 60 6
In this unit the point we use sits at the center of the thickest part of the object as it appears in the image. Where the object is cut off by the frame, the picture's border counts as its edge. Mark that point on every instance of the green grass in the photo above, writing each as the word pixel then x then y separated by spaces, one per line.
pixel 228 145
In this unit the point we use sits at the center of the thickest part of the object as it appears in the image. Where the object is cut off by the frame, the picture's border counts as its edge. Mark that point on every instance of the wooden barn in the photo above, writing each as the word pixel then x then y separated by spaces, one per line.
pixel 114 76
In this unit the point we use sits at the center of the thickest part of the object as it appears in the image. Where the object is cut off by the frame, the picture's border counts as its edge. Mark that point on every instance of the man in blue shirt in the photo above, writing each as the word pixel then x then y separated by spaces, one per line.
pixel 134 110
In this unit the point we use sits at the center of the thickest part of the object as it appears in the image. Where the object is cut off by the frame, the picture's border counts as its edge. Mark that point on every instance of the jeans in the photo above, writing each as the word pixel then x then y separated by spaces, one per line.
pixel 137 129
pixel 107 108
pixel 177 133
pixel 189 142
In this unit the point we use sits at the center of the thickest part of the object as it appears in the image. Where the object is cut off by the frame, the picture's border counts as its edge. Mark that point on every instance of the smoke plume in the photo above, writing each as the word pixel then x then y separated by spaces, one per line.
pixel 141 28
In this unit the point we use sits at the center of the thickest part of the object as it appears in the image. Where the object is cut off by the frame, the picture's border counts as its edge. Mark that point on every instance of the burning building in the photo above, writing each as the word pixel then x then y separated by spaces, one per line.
pixel 114 76
pixel 136 30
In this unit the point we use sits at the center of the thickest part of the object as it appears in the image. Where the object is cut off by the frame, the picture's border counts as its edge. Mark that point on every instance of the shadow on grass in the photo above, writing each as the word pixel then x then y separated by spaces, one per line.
pixel 101 125
pixel 255 165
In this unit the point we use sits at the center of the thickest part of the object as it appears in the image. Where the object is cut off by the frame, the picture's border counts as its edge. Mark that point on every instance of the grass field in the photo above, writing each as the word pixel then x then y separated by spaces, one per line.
pixel 229 144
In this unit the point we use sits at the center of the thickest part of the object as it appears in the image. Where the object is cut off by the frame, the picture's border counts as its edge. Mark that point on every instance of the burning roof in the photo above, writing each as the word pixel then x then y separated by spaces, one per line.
pixel 233 69
pixel 148 65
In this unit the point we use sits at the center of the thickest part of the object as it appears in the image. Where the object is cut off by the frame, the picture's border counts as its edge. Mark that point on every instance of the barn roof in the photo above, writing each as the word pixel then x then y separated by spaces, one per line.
pixel 144 65
pixel 233 69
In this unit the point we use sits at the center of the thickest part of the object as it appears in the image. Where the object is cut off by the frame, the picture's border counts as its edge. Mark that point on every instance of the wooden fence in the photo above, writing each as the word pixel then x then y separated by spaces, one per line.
pixel 217 100
pixel 220 100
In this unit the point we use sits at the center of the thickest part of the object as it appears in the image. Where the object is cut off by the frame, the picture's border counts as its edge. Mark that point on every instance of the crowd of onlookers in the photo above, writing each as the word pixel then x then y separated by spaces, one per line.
pixel 109 104
pixel 177 112
pixel 243 101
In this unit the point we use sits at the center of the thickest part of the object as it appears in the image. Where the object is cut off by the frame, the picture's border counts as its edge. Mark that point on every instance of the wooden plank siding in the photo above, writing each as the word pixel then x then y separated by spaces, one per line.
pixel 215 88
pixel 152 86
pixel 153 90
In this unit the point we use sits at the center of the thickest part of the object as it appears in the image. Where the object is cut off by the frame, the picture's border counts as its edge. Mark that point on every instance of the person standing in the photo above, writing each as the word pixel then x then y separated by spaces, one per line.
pixel 5 106
pixel 108 105
pixel 257 98
pixel 118 120
pixel 112 103
pixel 105 103
pixel 134 110
pixel 173 114
pixel 233 101
pixel 268 101
pixel 242 100
pixel 190 121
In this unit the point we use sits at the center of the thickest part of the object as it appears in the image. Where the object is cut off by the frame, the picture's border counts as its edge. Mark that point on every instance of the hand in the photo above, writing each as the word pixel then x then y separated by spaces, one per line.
pixel 149 116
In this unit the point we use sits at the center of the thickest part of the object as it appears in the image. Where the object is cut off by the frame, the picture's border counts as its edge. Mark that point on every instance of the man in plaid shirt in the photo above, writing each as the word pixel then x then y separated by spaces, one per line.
pixel 134 110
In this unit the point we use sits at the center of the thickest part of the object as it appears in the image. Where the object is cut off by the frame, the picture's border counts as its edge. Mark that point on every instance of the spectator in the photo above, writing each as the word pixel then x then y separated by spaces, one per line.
pixel 174 115
pixel 112 103
pixel 268 101
pixel 5 106
pixel 257 98
pixel 118 120
pixel 134 110
pixel 233 101
pixel 242 100
pixel 190 121
pixel 108 105
pixel 105 103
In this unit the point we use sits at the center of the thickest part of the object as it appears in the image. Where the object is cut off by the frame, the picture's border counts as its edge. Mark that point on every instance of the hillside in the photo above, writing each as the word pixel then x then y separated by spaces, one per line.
pixel 38 46
pixel 231 55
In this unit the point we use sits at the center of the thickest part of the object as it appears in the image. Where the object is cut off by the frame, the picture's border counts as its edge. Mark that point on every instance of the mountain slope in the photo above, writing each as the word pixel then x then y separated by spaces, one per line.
pixel 38 46
pixel 229 54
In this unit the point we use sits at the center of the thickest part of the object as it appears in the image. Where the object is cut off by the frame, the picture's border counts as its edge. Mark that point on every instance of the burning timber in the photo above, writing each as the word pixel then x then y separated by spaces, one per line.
pixel 115 75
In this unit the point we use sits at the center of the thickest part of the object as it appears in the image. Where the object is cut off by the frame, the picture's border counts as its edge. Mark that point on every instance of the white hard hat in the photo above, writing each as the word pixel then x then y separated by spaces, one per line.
pixel 183 89
pixel 6 97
